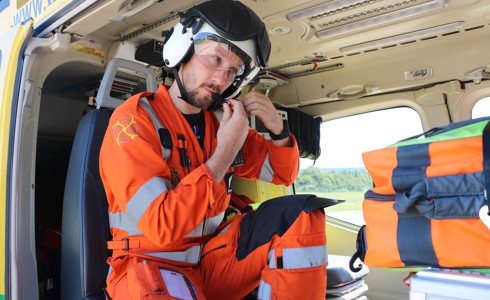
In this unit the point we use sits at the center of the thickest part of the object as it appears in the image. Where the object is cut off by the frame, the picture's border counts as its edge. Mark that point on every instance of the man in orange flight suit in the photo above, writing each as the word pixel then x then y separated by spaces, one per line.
pixel 167 162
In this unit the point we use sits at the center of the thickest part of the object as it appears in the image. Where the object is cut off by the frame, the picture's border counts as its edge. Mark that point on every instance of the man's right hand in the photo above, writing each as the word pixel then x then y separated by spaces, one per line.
pixel 231 135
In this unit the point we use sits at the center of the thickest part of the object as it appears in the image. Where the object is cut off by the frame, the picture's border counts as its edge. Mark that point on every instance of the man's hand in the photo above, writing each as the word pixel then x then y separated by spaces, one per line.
pixel 231 135
pixel 259 105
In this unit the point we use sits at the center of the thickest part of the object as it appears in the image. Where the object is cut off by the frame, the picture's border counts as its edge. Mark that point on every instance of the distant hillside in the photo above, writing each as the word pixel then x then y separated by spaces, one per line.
pixel 313 179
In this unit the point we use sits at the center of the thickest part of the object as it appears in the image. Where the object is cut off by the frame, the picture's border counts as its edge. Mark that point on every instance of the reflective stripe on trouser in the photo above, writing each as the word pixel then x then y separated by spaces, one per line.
pixel 291 266
pixel 296 261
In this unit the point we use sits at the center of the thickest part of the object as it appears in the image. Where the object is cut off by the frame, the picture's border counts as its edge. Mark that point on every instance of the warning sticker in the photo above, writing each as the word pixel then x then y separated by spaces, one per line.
pixel 89 50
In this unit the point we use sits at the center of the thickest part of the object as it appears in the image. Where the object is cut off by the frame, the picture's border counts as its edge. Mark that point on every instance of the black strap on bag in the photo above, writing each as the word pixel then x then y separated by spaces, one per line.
pixel 361 248
pixel 486 161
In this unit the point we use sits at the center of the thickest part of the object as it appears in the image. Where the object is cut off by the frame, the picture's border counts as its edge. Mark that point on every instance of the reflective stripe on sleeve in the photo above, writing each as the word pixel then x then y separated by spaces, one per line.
pixel 210 225
pixel 144 197
pixel 109 272
pixel 213 223
pixel 119 220
pixel 138 204
pixel 266 173
pixel 224 230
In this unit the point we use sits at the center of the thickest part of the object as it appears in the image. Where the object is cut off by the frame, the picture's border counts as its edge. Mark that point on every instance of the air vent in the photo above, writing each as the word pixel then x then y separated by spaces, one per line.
pixel 307 67
pixel 403 39
pixel 328 9
pixel 123 88
pixel 337 17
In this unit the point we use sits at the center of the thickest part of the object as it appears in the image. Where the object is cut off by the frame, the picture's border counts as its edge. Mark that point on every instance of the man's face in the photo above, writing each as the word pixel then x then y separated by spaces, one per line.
pixel 212 69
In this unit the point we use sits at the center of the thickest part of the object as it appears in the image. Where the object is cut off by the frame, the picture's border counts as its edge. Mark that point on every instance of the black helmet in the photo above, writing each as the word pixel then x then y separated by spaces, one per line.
pixel 227 19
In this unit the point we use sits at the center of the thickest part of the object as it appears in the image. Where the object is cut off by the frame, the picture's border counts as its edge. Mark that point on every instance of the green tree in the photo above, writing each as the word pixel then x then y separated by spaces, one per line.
pixel 314 179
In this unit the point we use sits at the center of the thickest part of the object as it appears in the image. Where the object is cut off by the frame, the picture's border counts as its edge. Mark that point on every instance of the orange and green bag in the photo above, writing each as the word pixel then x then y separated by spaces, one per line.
pixel 423 209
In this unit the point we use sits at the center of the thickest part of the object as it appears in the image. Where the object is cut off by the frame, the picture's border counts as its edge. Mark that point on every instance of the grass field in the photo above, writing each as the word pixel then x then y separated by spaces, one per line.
pixel 353 200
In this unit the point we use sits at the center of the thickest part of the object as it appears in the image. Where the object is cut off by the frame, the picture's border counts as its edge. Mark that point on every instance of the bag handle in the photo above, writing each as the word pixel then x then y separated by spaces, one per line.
pixel 438 130
pixel 361 249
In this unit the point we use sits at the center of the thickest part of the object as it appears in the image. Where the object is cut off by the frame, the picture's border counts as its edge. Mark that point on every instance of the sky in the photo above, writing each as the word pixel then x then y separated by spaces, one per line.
pixel 343 140
pixel 481 108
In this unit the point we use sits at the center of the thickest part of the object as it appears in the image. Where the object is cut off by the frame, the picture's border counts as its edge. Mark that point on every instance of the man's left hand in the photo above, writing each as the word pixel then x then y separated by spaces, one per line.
pixel 259 105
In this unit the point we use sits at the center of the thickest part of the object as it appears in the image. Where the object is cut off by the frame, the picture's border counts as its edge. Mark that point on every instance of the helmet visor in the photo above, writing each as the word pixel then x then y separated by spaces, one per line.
pixel 214 52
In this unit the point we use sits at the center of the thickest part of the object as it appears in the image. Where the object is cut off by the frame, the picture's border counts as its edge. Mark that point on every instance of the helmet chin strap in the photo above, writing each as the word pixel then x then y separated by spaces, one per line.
pixel 218 100
pixel 183 92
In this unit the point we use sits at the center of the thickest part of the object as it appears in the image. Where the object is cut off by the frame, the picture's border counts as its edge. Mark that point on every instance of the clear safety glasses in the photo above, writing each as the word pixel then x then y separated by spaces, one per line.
pixel 214 52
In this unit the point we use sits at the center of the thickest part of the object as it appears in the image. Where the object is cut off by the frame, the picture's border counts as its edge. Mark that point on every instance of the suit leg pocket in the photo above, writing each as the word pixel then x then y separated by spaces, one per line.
pixel 305 283
pixel 151 281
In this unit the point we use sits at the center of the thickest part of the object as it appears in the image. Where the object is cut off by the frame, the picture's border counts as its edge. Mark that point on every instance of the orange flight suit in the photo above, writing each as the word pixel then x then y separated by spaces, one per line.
pixel 166 211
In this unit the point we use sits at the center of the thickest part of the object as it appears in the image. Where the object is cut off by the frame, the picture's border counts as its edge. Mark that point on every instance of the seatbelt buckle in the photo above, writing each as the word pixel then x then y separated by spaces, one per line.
pixel 125 244
pixel 126 241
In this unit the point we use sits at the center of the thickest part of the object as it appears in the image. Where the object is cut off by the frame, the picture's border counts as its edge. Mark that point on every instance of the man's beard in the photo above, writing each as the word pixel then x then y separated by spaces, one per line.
pixel 202 102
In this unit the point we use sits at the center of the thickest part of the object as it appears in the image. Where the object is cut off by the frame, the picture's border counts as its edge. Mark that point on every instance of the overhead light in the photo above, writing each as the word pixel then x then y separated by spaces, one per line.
pixel 402 38
pixel 353 92
pixel 131 8
pixel 325 8
pixel 478 74
pixel 382 19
